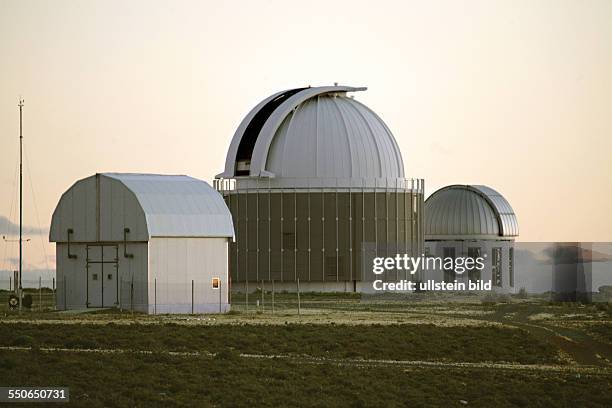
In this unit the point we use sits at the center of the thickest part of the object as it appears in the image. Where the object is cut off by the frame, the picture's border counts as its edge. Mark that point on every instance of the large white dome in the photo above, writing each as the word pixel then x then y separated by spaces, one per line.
pixel 315 133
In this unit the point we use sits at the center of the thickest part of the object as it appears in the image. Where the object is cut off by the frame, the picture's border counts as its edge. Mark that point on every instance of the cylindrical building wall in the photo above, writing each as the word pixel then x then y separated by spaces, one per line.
pixel 320 234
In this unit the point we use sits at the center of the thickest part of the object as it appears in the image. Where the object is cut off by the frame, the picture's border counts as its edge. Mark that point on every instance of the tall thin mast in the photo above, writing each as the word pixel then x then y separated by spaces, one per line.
pixel 20 196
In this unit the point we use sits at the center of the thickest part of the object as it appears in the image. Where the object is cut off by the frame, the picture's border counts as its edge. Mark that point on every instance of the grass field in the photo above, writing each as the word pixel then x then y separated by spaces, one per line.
pixel 340 350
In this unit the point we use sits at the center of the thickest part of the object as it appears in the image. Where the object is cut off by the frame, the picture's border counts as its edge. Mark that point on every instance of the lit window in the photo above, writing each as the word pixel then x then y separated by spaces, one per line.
pixel 216 282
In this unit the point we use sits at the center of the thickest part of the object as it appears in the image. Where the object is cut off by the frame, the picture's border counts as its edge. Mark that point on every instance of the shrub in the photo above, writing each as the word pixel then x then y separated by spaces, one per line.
pixel 23 341
pixel 493 298
pixel 82 344
pixel 228 354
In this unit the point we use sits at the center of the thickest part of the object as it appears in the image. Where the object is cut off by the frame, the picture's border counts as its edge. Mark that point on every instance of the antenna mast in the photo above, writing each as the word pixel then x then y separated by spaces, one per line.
pixel 19 294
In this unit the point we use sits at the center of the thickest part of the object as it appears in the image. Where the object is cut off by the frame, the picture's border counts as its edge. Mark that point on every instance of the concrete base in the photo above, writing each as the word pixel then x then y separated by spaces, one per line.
pixel 318 287
pixel 291 287
pixel 202 308
pixel 327 287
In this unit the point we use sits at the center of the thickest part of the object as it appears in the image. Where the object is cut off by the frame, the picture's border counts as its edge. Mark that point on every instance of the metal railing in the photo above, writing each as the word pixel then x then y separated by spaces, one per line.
pixel 414 185
pixel 37 294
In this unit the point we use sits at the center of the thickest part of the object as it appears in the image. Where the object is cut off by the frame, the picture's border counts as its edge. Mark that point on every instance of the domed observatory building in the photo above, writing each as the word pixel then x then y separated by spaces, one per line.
pixel 472 221
pixel 315 183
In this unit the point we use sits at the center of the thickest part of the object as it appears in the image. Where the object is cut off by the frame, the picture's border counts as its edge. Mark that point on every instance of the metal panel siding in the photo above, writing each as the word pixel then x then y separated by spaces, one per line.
pixel 105 200
pixel 508 221
pixel 333 137
pixel 180 206
pixel 175 262
pixel 149 205
pixel 316 246
pixel 270 128
pixel 91 214
pixel 79 213
pixel 468 211
pixel 75 210
pixel 133 268
pixel 459 212
pixel 364 154
pixel 117 221
pixel 71 277
pixel 119 209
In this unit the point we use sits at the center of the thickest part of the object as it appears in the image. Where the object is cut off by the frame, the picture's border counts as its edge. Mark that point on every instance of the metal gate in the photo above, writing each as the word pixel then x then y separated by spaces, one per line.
pixel 102 275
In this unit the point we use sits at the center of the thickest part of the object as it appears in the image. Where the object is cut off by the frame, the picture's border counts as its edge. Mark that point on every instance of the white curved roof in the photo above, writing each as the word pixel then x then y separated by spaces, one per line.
pixel 469 212
pixel 100 207
pixel 315 133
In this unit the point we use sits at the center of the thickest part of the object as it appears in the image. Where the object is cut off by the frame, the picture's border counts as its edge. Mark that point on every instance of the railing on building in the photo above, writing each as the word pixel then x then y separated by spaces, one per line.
pixel 224 185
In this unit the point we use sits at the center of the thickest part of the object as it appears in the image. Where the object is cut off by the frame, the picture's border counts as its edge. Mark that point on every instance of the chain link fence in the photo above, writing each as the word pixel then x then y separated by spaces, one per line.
pixel 39 295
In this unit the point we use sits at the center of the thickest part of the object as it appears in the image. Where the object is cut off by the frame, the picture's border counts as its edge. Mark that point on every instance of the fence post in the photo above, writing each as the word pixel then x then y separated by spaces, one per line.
pixel 192 296
pixel 155 296
pixel 220 294
pixel 298 293
pixel 272 296
pixel 39 294
pixel 263 289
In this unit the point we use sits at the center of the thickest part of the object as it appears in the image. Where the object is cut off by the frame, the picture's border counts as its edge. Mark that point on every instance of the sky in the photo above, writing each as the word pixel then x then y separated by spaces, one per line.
pixel 513 94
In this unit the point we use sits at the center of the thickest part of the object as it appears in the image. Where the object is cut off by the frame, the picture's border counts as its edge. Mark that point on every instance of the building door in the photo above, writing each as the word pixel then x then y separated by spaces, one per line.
pixel 102 273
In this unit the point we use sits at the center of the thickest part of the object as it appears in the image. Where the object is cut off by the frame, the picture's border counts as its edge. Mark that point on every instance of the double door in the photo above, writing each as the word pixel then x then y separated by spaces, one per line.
pixel 102 275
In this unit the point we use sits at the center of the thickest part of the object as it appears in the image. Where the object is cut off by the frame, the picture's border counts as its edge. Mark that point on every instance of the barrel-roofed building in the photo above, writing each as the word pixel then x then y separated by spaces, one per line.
pixel 147 242
pixel 315 183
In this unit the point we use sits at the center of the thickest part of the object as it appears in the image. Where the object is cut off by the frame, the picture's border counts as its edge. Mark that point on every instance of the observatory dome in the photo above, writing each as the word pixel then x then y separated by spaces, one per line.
pixel 314 133
pixel 469 212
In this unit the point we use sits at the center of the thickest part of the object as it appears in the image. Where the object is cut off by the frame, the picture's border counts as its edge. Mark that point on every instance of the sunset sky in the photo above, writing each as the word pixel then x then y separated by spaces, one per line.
pixel 515 94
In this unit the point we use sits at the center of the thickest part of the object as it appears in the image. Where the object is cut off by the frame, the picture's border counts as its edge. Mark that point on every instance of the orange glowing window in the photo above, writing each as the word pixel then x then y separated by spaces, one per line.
pixel 216 283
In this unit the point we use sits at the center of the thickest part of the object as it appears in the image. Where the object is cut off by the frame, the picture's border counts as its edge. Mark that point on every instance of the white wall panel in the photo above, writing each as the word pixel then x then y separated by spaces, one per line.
pixel 175 262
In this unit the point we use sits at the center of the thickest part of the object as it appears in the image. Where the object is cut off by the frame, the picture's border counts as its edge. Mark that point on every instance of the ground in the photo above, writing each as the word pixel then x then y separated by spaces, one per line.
pixel 334 350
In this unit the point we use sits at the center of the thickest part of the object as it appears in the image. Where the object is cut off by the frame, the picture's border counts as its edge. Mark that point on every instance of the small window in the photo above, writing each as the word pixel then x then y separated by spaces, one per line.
pixel 109 276
pixel 94 276
pixel 216 282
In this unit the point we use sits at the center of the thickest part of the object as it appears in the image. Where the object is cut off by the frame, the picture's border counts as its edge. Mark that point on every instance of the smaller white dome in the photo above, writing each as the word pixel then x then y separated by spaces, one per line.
pixel 469 212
